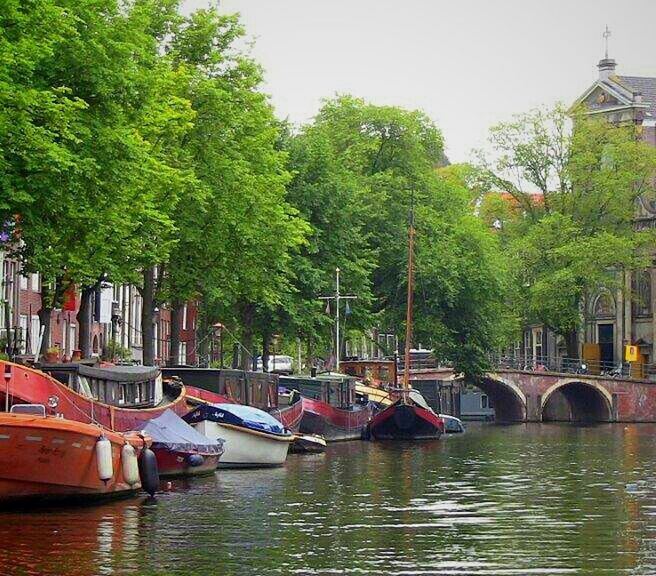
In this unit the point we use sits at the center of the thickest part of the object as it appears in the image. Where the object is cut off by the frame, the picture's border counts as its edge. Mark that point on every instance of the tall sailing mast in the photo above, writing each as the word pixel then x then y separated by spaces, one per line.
pixel 410 298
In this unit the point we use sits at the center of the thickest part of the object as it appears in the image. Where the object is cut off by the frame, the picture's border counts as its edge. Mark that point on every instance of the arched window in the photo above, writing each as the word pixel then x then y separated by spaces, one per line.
pixel 641 288
pixel 604 306
pixel 94 345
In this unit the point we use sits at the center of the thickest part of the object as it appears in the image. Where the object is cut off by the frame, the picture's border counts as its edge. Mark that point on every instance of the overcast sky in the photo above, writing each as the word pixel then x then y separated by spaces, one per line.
pixel 467 63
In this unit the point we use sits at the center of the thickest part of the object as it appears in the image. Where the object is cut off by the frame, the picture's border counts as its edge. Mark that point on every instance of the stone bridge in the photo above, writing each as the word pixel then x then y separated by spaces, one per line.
pixel 525 396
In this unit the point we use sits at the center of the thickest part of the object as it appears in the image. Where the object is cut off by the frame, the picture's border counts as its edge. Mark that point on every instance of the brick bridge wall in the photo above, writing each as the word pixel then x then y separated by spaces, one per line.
pixel 520 396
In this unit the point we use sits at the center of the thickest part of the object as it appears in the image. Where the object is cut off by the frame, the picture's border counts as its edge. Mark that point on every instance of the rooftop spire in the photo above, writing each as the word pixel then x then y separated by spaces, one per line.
pixel 606 36
pixel 607 65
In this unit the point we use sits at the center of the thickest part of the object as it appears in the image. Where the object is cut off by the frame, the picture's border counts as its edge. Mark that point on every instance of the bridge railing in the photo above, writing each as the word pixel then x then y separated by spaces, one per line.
pixel 530 363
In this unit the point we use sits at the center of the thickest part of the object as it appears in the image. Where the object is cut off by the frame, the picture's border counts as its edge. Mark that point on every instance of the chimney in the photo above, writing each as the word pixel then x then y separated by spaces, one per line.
pixel 606 68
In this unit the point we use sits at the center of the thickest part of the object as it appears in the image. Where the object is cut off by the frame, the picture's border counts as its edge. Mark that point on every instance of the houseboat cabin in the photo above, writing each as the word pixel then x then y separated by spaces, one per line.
pixel 124 386
pixel 257 389
pixel 372 372
pixel 336 390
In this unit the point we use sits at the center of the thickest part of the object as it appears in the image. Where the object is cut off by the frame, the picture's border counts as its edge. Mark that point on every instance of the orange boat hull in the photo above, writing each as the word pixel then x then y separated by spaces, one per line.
pixel 54 458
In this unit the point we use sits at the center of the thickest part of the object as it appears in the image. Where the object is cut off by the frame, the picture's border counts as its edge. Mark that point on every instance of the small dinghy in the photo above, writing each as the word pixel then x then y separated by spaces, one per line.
pixel 180 449
pixel 308 444
pixel 253 438
pixel 452 425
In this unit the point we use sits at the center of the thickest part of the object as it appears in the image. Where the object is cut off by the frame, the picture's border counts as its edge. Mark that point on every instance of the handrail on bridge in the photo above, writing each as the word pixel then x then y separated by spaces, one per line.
pixel 530 363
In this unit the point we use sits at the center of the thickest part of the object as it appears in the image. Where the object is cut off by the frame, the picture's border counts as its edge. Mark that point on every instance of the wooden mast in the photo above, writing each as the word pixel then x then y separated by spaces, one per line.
pixel 410 300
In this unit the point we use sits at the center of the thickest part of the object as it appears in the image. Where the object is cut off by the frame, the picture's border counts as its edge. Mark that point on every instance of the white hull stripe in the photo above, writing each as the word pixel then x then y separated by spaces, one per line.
pixel 33 438
pixel 4 436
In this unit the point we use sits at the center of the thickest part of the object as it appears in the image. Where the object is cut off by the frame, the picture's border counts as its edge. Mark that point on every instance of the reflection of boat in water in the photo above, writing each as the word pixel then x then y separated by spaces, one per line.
pixel 256 389
pixel 51 458
pixel 116 397
pixel 180 449
pixel 330 408
pixel 251 437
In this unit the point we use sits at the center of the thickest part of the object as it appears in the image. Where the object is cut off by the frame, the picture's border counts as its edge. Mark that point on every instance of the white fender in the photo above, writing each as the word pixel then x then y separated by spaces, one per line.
pixel 104 459
pixel 130 465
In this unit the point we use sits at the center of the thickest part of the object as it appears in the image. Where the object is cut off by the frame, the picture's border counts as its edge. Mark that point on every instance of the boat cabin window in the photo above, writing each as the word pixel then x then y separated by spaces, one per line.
pixel 233 387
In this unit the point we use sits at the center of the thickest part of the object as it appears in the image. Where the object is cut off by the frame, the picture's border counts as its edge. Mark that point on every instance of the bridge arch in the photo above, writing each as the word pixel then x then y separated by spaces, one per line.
pixel 577 401
pixel 508 399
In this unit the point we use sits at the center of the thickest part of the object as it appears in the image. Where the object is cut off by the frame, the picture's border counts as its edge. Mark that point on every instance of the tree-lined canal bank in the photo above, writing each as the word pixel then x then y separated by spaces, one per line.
pixel 524 499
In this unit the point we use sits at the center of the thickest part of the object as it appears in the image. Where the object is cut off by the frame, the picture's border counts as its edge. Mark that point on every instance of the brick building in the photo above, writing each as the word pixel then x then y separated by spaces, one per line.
pixel 117 317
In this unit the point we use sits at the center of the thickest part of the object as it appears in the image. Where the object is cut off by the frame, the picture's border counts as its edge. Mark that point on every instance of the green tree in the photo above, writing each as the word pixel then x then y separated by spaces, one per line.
pixel 234 254
pixel 570 224
pixel 388 157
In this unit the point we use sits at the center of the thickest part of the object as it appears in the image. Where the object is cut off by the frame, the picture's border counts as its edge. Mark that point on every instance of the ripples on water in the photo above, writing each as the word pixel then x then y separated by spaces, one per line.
pixel 526 499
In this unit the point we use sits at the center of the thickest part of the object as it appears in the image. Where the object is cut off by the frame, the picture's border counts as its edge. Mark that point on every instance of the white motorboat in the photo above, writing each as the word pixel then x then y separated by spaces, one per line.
pixel 252 437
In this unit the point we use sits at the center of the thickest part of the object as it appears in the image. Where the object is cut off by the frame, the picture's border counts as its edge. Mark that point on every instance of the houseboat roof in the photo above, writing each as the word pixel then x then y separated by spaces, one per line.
pixel 107 372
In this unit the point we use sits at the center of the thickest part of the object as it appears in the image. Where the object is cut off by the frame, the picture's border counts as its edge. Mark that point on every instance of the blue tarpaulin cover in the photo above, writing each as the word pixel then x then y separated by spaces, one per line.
pixel 238 415
pixel 173 433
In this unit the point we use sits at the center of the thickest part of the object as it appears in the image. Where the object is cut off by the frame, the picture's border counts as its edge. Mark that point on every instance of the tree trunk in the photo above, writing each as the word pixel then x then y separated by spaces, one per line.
pixel 176 326
pixel 148 316
pixel 247 318
pixel 84 321
pixel 266 353
pixel 310 353
pixel 572 341
pixel 45 315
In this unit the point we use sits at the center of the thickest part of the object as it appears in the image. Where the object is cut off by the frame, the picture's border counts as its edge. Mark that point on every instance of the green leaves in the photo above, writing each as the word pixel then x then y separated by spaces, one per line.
pixel 570 241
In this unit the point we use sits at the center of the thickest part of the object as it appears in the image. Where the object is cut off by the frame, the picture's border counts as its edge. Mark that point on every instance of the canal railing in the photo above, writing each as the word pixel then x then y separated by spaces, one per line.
pixel 564 365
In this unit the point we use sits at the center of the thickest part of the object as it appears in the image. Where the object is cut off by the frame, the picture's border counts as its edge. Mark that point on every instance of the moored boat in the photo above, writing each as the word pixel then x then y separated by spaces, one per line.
pixel 308 444
pixel 330 408
pixel 452 425
pixel 119 398
pixel 252 437
pixel 256 389
pixel 180 449
pixel 44 458
pixel 409 418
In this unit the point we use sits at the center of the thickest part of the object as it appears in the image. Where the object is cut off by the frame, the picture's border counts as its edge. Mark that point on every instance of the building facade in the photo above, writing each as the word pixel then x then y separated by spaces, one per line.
pixel 116 318
pixel 625 316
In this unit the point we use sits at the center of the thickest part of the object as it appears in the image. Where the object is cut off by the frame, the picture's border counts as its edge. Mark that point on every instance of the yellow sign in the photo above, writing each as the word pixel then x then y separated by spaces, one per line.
pixel 631 353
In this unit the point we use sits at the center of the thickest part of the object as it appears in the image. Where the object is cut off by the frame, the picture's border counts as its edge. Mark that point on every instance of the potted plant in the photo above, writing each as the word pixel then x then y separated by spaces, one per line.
pixel 52 354
pixel 77 356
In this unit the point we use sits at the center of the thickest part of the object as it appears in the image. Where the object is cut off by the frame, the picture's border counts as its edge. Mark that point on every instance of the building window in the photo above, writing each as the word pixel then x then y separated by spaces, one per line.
pixel 604 305
pixel 184 317
pixel 641 288
pixel 182 355
pixel 36 282
pixel 484 402
pixel 23 282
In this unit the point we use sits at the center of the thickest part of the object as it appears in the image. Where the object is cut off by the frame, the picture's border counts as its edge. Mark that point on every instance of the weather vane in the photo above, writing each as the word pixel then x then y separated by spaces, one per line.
pixel 606 36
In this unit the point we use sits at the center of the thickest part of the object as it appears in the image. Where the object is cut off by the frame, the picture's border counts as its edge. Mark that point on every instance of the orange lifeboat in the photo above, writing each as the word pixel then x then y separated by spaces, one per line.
pixel 51 458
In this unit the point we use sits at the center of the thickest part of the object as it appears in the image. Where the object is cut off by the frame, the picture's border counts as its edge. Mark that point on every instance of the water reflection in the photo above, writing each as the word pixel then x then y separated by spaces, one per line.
pixel 526 499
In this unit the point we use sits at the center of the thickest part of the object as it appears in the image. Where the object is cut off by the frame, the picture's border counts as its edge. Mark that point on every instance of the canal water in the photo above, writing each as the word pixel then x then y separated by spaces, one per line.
pixel 523 499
